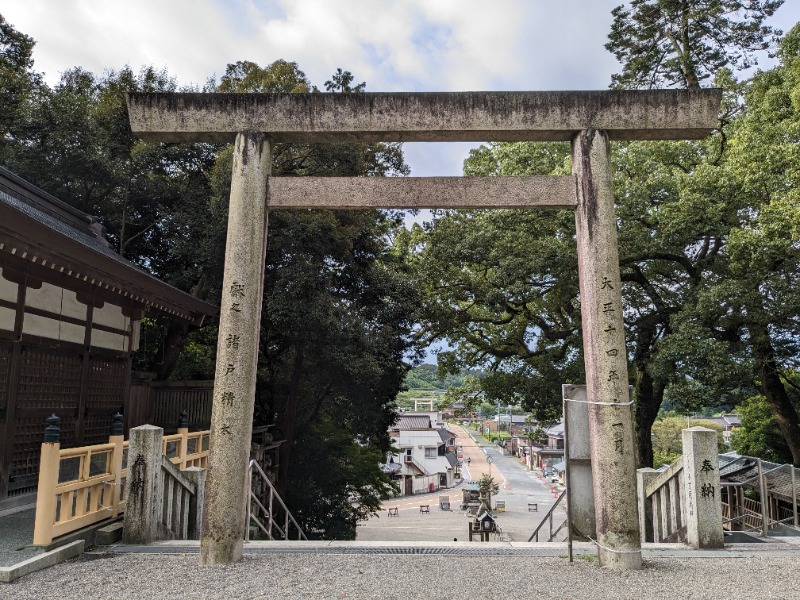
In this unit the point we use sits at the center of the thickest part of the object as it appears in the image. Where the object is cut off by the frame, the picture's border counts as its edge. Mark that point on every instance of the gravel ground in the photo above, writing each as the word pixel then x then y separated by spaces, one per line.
pixel 279 576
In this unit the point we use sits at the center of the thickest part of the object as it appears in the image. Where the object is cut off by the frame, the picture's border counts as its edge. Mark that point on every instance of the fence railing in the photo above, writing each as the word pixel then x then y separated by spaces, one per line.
pixel 770 509
pixel 662 502
pixel 264 504
pixel 186 449
pixel 548 518
pixel 85 485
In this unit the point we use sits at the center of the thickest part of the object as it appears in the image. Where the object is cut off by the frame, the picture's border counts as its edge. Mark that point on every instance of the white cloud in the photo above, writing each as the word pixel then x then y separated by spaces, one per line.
pixel 393 45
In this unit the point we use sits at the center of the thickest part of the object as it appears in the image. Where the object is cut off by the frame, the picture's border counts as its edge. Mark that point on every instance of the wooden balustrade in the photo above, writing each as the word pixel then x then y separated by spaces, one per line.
pixel 85 485
pixel 186 449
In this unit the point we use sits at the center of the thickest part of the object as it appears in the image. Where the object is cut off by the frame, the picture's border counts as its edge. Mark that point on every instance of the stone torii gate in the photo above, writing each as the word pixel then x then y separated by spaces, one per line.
pixel 590 120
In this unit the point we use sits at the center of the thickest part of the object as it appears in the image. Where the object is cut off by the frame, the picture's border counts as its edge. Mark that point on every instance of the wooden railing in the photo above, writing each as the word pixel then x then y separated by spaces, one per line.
pixel 740 512
pixel 661 502
pixel 185 449
pixel 85 485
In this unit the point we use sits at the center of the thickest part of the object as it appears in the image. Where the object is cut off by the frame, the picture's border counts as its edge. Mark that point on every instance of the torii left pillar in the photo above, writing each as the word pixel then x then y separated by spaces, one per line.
pixel 237 352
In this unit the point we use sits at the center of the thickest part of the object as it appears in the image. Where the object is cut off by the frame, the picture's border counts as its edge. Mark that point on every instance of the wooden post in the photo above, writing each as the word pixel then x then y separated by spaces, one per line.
pixel 794 494
pixel 237 353
pixel 183 444
pixel 48 482
pixel 605 356
pixel 118 439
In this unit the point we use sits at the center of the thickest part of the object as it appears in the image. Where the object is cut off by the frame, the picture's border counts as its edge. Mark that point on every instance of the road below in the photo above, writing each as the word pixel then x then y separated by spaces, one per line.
pixel 518 489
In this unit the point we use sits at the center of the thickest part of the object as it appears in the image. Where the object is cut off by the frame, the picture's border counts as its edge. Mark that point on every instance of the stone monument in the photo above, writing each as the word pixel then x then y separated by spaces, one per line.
pixel 590 120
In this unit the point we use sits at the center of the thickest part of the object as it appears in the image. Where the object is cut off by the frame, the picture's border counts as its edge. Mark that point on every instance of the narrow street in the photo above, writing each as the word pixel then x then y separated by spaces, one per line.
pixel 518 488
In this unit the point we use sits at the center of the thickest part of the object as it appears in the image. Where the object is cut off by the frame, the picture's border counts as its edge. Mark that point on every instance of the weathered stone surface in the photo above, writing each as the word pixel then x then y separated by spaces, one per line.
pixel 605 357
pixel 580 500
pixel 143 491
pixel 702 489
pixel 431 117
pixel 422 192
pixel 237 353
pixel 41 561
pixel 643 479
pixel 197 476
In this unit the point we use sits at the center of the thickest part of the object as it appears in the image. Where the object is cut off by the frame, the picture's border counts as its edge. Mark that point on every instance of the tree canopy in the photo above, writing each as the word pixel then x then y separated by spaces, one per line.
pixel 708 245
pixel 338 311
pixel 686 42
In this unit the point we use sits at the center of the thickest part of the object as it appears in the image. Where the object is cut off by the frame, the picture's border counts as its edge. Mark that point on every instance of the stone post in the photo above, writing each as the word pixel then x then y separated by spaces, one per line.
pixel 643 478
pixel 144 486
pixel 605 356
pixel 701 483
pixel 237 353
pixel 580 500
pixel 196 475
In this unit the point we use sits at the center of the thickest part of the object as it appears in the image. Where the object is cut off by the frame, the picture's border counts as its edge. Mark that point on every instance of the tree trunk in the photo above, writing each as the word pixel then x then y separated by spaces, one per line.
pixel 649 396
pixel 288 422
pixel 168 354
pixel 175 338
pixel 775 392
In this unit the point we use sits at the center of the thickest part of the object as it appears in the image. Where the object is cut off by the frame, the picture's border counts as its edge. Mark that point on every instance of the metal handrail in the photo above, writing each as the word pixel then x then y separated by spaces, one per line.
pixel 273 494
pixel 549 516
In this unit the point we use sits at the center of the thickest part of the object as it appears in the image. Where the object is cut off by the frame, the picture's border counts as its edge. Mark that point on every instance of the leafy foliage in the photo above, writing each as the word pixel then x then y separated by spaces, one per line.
pixel 759 434
pixel 668 441
pixel 427 377
pixel 685 42
pixel 336 326
pixel 338 313
pixel 19 85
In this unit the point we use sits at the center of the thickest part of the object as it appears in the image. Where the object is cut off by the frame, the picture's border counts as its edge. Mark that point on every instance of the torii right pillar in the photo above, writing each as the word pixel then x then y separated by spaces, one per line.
pixel 610 416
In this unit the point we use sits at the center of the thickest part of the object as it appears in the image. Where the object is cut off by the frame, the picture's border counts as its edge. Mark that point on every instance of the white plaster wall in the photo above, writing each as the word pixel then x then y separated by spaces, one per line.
pixel 49 297
pixel 110 315
pixel 8 289
pixel 112 341
pixel 7 318
pixel 49 328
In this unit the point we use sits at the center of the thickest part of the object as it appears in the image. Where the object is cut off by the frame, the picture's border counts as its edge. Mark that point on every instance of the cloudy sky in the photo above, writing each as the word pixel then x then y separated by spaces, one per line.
pixel 392 45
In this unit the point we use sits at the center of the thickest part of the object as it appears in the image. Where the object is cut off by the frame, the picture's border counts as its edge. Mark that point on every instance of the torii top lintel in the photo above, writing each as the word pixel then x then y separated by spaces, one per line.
pixel 426 116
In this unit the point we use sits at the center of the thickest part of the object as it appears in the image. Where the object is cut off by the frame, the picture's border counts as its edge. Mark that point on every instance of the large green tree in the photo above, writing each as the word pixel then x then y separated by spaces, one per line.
pixel 749 302
pixel 337 311
pixel 336 325
pixel 675 211
pixel 686 42
pixel 495 287
pixel 19 84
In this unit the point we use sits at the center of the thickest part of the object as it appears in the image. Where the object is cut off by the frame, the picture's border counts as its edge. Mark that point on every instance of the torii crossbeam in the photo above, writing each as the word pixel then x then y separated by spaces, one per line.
pixel 590 120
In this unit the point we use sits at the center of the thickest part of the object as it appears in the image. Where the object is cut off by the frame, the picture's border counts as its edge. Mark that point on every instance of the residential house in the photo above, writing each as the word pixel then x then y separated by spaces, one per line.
pixel 426 454
pixel 518 424
pixel 541 456
pixel 728 422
